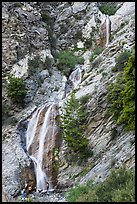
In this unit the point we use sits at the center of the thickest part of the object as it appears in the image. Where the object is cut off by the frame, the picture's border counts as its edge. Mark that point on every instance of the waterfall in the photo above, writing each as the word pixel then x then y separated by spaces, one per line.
pixel 75 77
pixel 40 139
pixel 107 30
pixel 41 177
pixel 32 128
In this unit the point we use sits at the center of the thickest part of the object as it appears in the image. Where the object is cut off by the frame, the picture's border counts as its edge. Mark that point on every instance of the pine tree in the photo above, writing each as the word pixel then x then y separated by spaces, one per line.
pixel 72 122
pixel 121 95
pixel 128 112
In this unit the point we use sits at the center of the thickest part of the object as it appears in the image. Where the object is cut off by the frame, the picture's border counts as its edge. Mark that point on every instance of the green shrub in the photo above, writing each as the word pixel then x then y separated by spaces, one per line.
pixel 114 69
pixel 128 113
pixel 121 96
pixel 84 99
pixel 46 17
pixel 119 186
pixel 95 53
pixel 113 162
pixel 78 16
pixel 78 193
pixel 29 199
pixel 78 35
pixel 56 160
pixel 114 97
pixel 121 59
pixel 72 122
pixel 76 49
pixel 112 37
pixel 108 8
pixel 104 74
pixel 16 89
pixel 67 61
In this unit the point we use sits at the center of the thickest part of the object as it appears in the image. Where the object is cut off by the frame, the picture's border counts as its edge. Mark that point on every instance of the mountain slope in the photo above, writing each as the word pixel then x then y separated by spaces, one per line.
pixel 32 29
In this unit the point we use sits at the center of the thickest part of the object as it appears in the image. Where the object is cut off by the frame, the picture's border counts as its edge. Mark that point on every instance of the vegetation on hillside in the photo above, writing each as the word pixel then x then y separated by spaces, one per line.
pixel 118 187
pixel 121 96
pixel 72 122
pixel 108 8
pixel 128 113
pixel 120 60
pixel 16 89
pixel 67 61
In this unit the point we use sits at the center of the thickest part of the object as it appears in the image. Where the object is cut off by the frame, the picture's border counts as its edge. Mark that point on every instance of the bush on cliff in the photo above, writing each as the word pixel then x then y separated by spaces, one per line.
pixel 108 8
pixel 128 113
pixel 121 96
pixel 16 89
pixel 115 103
pixel 67 61
pixel 120 60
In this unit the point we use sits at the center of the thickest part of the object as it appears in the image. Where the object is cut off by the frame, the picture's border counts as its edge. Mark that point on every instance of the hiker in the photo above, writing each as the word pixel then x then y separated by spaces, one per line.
pixel 47 186
pixel 29 189
pixel 23 194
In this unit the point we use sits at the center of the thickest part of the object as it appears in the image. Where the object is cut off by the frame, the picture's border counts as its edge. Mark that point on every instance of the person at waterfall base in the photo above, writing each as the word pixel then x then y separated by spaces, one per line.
pixel 47 186
pixel 29 189
pixel 24 192
pixel 23 195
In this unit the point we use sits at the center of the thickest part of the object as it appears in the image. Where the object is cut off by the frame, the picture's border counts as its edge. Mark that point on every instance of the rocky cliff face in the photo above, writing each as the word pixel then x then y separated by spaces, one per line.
pixel 32 29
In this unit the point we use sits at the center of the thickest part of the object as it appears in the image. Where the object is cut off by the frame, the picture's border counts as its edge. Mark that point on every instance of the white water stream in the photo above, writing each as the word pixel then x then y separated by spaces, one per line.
pixel 107 30
pixel 41 177
pixel 75 77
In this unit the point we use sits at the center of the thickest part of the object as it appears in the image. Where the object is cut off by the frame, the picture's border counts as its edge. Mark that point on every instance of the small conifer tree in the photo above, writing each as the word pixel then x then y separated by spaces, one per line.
pixel 72 122
pixel 121 95
pixel 128 112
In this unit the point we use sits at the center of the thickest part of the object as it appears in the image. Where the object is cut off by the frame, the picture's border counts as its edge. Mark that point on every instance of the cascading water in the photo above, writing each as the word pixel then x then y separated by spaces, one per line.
pixel 40 137
pixel 32 128
pixel 41 177
pixel 107 30
pixel 74 80
pixel 76 76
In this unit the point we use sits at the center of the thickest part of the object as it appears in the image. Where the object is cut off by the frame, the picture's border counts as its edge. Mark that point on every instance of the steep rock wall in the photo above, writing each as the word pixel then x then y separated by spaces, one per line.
pixel 25 21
